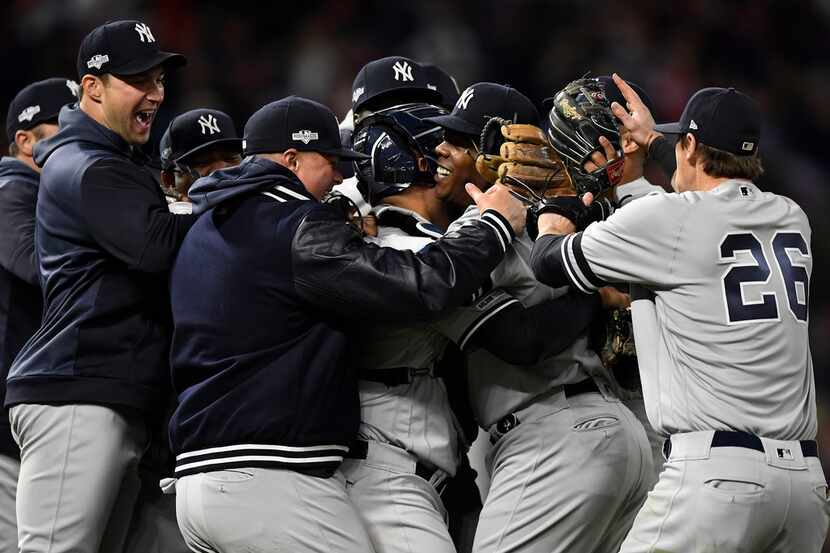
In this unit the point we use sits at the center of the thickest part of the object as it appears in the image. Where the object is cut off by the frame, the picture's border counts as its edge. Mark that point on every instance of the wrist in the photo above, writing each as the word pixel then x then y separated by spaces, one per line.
pixel 651 139
pixel 553 223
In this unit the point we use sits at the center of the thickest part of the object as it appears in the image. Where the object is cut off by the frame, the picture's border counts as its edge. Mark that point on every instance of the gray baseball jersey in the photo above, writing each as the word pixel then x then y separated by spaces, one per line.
pixel 724 345
pixel 415 416
pixel 498 388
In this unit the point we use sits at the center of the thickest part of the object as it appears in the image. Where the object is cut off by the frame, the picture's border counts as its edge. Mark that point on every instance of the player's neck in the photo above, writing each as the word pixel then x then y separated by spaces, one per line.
pixel 705 183
pixel 418 199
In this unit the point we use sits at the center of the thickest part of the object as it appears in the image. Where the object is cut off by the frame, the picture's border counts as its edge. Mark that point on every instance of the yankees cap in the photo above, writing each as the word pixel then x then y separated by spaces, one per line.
pixel 38 103
pixel 394 80
pixel 298 123
pixel 123 48
pixel 482 101
pixel 444 82
pixel 722 118
pixel 196 131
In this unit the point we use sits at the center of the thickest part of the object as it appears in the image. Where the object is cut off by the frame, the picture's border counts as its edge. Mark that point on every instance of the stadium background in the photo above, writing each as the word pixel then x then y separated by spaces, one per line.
pixel 242 55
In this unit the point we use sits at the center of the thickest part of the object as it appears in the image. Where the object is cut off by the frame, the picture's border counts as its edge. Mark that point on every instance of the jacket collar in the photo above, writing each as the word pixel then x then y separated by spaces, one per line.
pixel 406 220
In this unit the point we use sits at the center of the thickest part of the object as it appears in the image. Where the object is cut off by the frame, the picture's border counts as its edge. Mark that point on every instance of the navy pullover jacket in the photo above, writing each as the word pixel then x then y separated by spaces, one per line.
pixel 20 301
pixel 105 243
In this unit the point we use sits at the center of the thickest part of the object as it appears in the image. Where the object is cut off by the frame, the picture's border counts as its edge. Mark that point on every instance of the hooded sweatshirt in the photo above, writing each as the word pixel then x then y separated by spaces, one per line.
pixel 265 286
pixel 20 301
pixel 105 243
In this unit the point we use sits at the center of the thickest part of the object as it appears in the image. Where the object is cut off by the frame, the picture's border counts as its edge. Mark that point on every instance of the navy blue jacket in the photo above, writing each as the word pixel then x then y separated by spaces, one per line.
pixel 20 301
pixel 264 288
pixel 105 242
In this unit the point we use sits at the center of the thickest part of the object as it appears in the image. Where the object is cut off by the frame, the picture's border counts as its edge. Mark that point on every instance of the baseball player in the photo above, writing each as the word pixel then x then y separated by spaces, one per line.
pixel 570 463
pixel 722 341
pixel 267 410
pixel 32 117
pixel 84 388
pixel 409 440
pixel 195 144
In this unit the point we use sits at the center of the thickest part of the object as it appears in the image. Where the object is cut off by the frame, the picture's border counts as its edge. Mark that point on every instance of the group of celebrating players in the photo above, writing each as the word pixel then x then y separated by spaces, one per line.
pixel 301 331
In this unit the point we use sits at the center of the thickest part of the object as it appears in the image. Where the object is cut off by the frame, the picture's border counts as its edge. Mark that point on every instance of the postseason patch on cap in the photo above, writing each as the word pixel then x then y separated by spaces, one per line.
pixel 97 61
pixel 304 136
pixel 28 113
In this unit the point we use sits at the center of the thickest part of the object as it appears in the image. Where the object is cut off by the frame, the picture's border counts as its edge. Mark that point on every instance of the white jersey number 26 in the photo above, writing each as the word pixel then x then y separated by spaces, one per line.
pixel 795 276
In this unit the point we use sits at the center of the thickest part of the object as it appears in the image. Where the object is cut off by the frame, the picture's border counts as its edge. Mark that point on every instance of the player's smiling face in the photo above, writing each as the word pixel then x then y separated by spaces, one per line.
pixel 457 166
pixel 129 103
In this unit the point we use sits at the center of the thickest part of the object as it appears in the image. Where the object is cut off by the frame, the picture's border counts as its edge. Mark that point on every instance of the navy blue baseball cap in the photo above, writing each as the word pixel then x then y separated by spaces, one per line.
pixel 394 80
pixel 123 48
pixel 38 103
pixel 443 82
pixel 482 101
pixel 612 92
pixel 197 131
pixel 722 118
pixel 298 123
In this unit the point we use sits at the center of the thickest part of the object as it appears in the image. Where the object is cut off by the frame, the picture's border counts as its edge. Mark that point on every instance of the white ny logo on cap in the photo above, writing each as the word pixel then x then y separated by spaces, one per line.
pixel 73 87
pixel 403 71
pixel 144 32
pixel 305 136
pixel 28 113
pixel 465 98
pixel 209 123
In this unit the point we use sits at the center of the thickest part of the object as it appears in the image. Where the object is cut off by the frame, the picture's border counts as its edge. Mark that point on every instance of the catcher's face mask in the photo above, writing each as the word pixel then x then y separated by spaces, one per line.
pixel 401 149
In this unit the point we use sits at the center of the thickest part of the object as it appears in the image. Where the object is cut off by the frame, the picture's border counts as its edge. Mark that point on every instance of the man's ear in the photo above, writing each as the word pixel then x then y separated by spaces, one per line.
pixel 93 87
pixel 290 158
pixel 690 148
pixel 25 141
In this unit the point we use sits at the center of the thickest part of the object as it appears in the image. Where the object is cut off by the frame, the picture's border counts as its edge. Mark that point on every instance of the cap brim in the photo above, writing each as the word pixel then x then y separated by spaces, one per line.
pixel 211 145
pixel 344 153
pixel 670 128
pixel 168 59
pixel 454 123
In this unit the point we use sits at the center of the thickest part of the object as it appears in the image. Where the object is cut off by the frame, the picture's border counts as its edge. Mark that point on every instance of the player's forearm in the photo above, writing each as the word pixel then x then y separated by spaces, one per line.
pixel 553 224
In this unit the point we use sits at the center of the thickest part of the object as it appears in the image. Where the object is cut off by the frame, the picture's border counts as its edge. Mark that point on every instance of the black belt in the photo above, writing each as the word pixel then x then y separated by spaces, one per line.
pixel 359 449
pixel 394 376
pixel 511 421
pixel 722 438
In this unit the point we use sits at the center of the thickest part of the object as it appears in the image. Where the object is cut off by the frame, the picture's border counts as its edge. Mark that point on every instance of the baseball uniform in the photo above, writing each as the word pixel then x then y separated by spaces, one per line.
pixel 405 425
pixel 724 360
pixel 570 464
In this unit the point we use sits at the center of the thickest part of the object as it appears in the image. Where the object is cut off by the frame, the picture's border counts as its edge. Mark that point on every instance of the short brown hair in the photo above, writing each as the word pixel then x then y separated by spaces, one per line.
pixel 719 163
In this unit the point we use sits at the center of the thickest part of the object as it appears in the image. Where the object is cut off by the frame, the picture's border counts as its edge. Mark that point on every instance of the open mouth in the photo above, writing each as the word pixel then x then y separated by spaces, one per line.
pixel 145 117
pixel 443 171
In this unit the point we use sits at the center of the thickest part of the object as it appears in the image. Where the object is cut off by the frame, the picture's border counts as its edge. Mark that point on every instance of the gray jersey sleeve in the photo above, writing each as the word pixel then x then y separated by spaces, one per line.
pixel 627 247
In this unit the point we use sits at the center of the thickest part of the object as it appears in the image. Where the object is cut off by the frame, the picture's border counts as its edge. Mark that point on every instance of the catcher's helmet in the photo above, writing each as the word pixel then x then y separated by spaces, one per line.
pixel 401 146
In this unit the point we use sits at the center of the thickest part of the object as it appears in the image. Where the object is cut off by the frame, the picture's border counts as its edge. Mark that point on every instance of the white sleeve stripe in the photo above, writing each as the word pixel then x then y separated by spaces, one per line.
pixel 498 233
pixel 501 222
pixel 487 316
pixel 566 262
pixel 573 261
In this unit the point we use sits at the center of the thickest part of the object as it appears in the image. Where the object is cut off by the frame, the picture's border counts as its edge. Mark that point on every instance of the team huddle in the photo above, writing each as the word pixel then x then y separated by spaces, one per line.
pixel 289 340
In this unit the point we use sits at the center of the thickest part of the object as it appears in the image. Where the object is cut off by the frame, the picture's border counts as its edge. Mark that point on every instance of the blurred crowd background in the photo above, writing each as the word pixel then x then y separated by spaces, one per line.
pixel 242 55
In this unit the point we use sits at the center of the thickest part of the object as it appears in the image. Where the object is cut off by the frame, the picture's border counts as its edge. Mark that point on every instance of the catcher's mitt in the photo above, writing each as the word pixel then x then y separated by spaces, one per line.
pixel 579 115
pixel 519 157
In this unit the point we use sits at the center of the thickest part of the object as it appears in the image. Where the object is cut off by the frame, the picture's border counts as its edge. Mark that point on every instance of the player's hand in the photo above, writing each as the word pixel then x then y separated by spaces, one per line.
pixel 499 198
pixel 551 223
pixel 601 159
pixel 637 118
pixel 613 298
